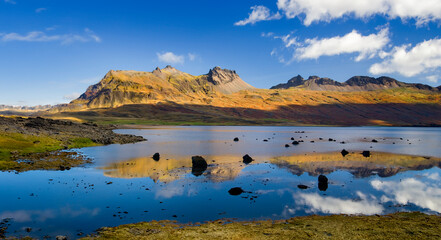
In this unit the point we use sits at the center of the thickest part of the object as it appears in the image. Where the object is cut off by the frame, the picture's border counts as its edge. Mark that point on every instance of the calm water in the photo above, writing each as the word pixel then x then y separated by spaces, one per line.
pixel 125 185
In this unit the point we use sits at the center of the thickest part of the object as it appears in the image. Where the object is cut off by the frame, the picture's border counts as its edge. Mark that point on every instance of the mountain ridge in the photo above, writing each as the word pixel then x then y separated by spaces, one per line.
pixel 355 83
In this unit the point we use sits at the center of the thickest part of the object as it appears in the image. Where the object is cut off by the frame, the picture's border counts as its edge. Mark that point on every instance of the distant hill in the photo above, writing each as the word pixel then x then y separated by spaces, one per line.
pixel 356 83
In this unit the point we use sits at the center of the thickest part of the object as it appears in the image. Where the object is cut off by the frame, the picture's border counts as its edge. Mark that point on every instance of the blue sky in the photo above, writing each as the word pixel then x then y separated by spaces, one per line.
pixel 52 50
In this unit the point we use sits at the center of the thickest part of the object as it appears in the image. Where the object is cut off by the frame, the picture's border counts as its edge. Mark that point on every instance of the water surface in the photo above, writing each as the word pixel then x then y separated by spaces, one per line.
pixel 125 185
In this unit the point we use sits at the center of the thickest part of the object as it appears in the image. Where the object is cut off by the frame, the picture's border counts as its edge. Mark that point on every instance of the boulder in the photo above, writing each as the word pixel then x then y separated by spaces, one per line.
pixel 156 156
pixel 301 186
pixel 366 153
pixel 235 191
pixel 199 165
pixel 247 159
pixel 344 152
pixel 236 139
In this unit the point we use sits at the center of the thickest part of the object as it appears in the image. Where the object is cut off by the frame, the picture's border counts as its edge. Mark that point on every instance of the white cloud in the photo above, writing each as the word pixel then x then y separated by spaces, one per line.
pixel 410 190
pixel 407 61
pixel 353 42
pixel 72 96
pixel 288 40
pixel 317 203
pixel 326 10
pixel 39 10
pixel 191 56
pixel 433 78
pixel 171 58
pixel 39 36
pixel 258 13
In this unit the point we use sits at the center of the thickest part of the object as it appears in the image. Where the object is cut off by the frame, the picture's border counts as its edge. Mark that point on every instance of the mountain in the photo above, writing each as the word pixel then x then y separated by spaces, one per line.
pixel 356 83
pixel 118 88
pixel 170 96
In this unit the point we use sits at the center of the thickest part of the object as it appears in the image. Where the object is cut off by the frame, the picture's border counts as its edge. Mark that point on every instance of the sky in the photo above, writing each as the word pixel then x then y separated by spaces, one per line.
pixel 52 50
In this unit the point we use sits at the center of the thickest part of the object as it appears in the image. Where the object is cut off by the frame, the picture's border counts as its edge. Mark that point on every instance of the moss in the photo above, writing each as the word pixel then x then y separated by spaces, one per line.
pixel 394 226
pixel 81 142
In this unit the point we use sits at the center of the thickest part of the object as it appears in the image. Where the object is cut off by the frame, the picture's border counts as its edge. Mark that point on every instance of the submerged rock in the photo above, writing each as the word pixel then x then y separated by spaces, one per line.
pixel 156 156
pixel 301 186
pixel 199 165
pixel 235 191
pixel 295 143
pixel 247 159
pixel 236 139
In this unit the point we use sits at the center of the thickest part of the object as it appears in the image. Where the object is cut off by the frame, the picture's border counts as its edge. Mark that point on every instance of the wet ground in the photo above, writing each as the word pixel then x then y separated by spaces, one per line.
pixel 126 185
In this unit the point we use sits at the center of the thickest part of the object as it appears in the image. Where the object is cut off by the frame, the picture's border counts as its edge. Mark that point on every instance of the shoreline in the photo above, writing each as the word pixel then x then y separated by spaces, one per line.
pixel 402 225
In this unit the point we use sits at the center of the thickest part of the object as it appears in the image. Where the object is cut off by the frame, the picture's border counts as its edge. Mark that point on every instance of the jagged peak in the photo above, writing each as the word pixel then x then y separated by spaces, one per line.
pixel 217 75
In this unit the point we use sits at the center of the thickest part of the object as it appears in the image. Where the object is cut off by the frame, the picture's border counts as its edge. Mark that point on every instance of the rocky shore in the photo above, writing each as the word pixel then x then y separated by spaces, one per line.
pixel 38 143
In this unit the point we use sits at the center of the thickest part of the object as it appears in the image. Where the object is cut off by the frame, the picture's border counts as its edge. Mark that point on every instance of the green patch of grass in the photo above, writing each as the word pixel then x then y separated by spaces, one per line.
pixel 394 226
pixel 40 152
pixel 23 144
pixel 81 142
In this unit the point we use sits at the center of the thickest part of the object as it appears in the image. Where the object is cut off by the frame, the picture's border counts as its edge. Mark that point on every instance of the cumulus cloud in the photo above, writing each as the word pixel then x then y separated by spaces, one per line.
pixel 317 203
pixel 258 13
pixel 433 78
pixel 325 10
pixel 367 46
pixel 410 61
pixel 39 36
pixel 410 190
pixel 171 58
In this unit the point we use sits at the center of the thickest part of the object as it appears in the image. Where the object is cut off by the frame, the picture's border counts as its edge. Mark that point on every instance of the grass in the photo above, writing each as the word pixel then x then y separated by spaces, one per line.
pixel 15 147
pixel 395 226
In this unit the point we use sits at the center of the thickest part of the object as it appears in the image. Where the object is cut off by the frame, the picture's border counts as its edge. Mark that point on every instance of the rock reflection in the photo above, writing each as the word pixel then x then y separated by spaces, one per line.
pixel 425 194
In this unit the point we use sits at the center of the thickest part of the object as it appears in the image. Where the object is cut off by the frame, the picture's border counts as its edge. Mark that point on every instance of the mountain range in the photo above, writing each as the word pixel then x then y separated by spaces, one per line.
pixel 356 83
pixel 170 96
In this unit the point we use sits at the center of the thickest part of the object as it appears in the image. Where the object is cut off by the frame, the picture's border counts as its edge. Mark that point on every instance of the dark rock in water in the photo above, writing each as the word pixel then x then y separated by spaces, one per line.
pixel 295 143
pixel 331 140
pixel 235 191
pixel 301 186
pixel 287 145
pixel 322 186
pixel 322 183
pixel 247 159
pixel 156 156
pixel 265 140
pixel 366 153
pixel 323 179
pixel 236 139
pixel 62 168
pixel 292 138
pixel 344 152
pixel 374 140
pixel 199 165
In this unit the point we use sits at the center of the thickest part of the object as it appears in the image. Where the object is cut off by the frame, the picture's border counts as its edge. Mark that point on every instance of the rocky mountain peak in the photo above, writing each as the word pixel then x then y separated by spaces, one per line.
pixel 218 76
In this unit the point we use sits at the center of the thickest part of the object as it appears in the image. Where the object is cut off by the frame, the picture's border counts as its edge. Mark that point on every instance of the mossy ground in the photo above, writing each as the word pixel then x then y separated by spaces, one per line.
pixel 38 152
pixel 394 226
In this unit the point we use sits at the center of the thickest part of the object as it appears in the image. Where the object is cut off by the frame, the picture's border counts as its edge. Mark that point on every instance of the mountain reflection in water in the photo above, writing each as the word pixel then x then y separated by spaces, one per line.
pixel 228 167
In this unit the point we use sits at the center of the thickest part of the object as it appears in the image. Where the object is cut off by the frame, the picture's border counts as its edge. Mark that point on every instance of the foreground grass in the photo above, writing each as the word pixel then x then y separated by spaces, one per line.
pixel 23 152
pixel 394 226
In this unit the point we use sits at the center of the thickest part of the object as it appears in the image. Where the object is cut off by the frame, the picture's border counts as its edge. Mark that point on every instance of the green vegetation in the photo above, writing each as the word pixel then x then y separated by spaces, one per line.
pixel 394 226
pixel 22 152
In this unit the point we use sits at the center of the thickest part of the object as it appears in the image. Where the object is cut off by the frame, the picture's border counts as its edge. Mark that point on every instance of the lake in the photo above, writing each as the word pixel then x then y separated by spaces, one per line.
pixel 125 185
